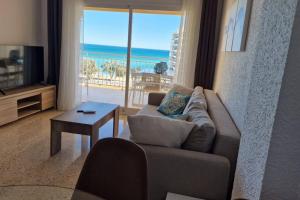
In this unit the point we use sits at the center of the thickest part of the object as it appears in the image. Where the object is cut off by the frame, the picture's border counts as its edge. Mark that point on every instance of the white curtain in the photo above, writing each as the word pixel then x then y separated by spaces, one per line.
pixel 69 93
pixel 188 42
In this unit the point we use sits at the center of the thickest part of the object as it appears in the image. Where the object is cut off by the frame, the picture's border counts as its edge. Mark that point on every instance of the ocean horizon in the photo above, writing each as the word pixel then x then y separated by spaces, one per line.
pixel 142 58
pixel 140 48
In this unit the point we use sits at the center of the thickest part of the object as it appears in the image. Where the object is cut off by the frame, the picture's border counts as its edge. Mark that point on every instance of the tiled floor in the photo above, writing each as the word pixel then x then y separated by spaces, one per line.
pixel 25 157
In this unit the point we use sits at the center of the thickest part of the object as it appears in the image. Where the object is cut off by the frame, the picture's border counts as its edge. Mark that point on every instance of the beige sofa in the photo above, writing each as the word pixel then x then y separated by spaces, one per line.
pixel 202 175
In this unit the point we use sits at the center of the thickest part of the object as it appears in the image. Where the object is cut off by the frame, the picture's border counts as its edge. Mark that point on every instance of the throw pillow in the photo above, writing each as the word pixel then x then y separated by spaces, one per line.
pixel 202 136
pixel 179 117
pixel 197 100
pixel 161 131
pixel 173 103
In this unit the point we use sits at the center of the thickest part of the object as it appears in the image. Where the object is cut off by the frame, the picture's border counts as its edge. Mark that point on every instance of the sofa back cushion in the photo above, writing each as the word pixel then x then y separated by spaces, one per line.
pixel 197 100
pixel 202 135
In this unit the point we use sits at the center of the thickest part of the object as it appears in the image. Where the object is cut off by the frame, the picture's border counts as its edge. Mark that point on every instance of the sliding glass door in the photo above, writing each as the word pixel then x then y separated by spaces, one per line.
pixel 153 54
pixel 127 54
pixel 105 56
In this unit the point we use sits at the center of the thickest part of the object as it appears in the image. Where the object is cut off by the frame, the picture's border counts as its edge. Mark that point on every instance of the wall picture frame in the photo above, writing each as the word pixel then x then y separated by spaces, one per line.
pixel 236 25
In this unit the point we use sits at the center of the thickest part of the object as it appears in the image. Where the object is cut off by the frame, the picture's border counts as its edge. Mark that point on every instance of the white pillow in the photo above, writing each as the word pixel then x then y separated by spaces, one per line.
pixel 160 131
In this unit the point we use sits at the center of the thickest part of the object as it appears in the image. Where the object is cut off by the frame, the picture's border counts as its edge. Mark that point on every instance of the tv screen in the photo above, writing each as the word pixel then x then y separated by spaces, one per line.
pixel 21 66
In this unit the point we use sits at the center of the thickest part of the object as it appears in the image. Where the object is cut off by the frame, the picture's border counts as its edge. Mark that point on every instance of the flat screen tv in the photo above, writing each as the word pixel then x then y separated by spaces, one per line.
pixel 21 66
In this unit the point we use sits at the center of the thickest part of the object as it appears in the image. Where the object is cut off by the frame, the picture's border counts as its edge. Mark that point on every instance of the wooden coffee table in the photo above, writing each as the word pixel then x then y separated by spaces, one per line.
pixel 85 124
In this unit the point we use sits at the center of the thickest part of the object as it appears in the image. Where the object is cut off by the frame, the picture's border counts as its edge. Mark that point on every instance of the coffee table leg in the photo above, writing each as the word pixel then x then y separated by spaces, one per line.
pixel 94 137
pixel 55 144
pixel 116 123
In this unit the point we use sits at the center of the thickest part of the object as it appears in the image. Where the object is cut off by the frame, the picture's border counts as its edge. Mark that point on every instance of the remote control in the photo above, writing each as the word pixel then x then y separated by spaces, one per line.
pixel 89 112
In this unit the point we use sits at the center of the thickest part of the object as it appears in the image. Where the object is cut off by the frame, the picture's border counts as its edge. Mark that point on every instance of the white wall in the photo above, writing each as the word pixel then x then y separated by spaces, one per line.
pixel 20 22
pixel 249 85
pixel 282 175
pixel 24 22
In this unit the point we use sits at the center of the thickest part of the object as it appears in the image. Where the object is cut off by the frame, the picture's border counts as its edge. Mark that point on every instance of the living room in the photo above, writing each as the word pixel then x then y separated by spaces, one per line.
pixel 149 99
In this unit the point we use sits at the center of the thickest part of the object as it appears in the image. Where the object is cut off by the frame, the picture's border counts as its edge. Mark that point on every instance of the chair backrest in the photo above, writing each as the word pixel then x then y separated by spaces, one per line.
pixel 115 169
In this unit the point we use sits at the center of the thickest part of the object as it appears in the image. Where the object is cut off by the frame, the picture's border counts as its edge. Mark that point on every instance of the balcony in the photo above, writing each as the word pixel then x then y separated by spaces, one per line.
pixel 103 78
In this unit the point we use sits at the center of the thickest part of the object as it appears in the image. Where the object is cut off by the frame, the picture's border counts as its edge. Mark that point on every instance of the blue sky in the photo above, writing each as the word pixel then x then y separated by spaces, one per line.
pixel 151 31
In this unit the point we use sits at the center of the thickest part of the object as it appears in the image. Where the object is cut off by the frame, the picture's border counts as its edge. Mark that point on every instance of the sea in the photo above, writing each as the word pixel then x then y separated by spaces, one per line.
pixel 142 59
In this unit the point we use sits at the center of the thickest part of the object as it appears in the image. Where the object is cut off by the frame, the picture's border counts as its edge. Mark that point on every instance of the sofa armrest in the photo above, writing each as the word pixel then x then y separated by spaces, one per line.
pixel 155 98
pixel 190 173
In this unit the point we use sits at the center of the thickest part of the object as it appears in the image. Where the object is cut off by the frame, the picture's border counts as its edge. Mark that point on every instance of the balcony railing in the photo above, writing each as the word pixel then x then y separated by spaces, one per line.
pixel 106 73
pixel 105 69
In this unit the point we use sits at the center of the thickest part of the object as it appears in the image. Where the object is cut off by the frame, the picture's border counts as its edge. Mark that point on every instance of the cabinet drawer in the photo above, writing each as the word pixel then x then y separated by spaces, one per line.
pixel 48 99
pixel 8 111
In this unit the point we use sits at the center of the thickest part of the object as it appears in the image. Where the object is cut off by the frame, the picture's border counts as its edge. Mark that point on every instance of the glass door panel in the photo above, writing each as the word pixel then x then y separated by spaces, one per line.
pixel 113 74
pixel 103 73
pixel 153 55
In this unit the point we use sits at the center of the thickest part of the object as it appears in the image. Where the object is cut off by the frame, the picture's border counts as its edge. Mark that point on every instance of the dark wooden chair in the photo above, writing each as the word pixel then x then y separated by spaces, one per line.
pixel 115 169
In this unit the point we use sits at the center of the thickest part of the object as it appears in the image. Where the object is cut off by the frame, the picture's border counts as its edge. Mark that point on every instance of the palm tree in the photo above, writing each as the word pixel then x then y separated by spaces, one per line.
pixel 88 70
pixel 114 69
pixel 161 68
pixel 109 67
pixel 136 70
pixel 120 71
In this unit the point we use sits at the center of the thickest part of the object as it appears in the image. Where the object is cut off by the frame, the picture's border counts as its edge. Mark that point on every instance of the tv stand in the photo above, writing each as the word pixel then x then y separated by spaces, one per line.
pixel 2 92
pixel 22 102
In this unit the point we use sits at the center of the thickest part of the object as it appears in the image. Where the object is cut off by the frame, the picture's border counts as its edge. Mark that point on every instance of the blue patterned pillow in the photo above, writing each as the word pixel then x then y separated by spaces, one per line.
pixel 173 103
pixel 183 117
